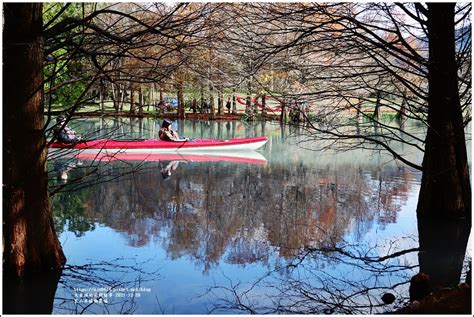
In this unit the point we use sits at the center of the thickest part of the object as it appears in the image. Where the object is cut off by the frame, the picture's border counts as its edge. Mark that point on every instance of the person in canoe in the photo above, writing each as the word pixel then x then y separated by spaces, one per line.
pixel 63 133
pixel 166 132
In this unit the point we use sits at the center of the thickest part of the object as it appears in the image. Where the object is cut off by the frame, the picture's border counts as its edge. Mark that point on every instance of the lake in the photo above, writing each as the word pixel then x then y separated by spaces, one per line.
pixel 298 230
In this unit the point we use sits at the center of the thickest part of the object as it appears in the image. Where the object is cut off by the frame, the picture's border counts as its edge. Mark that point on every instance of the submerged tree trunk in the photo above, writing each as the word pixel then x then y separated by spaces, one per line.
pixel 30 241
pixel 444 203
pixel 31 294
pixel 443 245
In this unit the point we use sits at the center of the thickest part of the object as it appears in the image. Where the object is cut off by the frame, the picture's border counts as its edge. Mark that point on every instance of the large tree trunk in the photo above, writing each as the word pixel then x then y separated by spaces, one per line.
pixel 445 186
pixel 30 241
pixel 444 204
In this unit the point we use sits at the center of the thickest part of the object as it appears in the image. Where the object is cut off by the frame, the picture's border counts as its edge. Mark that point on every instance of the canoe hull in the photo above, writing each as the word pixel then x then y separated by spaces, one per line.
pixel 158 146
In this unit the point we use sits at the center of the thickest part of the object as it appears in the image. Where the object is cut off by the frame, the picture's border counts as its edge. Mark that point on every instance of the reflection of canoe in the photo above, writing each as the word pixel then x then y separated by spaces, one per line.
pixel 251 157
pixel 158 146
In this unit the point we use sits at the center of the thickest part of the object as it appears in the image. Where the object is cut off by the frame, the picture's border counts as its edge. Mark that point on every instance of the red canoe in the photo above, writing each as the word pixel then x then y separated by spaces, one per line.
pixel 158 146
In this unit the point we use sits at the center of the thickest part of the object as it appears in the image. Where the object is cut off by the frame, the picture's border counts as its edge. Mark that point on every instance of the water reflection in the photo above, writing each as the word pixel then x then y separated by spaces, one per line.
pixel 170 167
pixel 247 156
pixel 303 223
pixel 211 209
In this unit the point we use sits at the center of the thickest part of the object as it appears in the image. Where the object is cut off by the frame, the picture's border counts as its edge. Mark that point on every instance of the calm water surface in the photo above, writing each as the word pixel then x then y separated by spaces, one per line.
pixel 297 233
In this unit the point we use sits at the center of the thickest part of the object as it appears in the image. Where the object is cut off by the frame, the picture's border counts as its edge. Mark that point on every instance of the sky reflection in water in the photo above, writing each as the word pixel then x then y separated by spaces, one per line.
pixel 214 230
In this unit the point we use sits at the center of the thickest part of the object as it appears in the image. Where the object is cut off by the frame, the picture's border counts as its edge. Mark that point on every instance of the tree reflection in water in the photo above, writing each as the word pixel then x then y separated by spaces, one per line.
pixel 211 207
pixel 107 287
pixel 246 213
pixel 328 280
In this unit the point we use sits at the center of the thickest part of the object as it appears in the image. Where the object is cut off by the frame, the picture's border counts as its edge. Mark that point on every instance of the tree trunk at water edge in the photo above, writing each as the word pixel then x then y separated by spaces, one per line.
pixel 444 203
pixel 445 186
pixel 30 241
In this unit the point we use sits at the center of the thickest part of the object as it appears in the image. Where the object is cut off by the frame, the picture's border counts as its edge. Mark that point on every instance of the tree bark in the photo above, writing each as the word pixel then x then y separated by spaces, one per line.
pixel 445 186
pixel 30 241
pixel 444 203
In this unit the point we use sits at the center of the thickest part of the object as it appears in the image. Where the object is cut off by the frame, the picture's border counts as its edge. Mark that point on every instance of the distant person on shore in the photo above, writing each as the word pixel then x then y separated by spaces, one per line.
pixel 63 133
pixel 166 132
pixel 204 106
pixel 194 105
